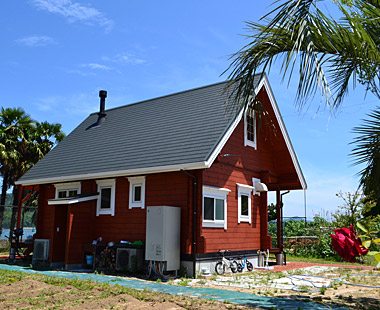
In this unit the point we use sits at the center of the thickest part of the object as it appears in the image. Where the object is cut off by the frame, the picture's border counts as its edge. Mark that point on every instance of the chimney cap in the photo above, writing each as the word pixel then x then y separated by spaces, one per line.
pixel 102 93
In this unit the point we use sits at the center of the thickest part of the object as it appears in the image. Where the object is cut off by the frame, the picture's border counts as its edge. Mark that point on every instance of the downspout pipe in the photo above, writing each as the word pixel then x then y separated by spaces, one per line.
pixel 282 218
pixel 194 247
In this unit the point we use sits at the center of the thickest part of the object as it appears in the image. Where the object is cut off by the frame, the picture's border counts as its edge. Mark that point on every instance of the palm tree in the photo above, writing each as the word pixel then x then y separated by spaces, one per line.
pixel 23 142
pixel 46 135
pixel 367 152
pixel 13 124
pixel 327 54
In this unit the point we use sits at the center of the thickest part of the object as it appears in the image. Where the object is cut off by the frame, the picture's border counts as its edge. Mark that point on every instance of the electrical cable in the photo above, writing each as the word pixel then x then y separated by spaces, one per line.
pixel 159 272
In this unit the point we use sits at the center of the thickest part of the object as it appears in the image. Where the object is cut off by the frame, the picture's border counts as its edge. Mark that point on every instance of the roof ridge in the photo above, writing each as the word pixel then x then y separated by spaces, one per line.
pixel 164 96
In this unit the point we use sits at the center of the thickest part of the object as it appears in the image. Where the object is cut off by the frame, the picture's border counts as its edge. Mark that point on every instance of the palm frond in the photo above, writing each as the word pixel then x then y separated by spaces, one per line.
pixel 328 53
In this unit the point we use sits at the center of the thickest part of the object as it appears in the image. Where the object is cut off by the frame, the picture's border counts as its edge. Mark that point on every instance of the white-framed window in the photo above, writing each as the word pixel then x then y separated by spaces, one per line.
pixel 66 190
pixel 244 202
pixel 214 207
pixel 250 127
pixel 137 192
pixel 106 200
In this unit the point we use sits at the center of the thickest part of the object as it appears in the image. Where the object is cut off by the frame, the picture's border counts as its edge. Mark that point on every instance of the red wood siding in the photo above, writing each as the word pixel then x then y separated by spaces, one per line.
pixel 83 226
pixel 238 236
pixel 270 162
pixel 169 189
pixel 79 230
pixel 45 216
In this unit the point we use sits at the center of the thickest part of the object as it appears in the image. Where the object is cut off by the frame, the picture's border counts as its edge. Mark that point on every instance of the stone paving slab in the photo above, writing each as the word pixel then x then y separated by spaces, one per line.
pixel 287 282
pixel 198 292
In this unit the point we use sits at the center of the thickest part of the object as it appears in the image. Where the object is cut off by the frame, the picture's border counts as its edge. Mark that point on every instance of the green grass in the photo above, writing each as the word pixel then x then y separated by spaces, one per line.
pixel 368 261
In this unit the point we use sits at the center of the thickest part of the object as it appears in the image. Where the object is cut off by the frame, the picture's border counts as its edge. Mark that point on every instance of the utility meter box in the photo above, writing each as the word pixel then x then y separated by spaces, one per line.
pixel 163 235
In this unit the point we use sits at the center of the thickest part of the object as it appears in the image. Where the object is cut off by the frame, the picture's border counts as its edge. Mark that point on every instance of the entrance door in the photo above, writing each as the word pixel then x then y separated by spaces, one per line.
pixel 59 235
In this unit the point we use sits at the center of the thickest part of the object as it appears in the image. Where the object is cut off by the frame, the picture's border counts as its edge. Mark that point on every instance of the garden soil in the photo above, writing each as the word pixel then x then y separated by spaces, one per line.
pixel 33 294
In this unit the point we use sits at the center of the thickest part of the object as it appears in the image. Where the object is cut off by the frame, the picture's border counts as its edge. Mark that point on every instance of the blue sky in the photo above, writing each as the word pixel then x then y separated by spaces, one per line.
pixel 57 54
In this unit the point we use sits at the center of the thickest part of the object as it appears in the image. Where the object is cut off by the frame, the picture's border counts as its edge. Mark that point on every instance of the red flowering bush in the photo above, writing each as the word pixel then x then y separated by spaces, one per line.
pixel 345 243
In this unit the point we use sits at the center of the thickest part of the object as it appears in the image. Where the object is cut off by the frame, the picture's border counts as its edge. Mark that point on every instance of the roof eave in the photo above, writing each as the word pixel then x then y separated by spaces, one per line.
pixel 113 174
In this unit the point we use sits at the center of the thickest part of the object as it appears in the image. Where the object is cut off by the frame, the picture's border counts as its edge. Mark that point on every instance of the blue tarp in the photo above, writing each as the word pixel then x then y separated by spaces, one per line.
pixel 199 292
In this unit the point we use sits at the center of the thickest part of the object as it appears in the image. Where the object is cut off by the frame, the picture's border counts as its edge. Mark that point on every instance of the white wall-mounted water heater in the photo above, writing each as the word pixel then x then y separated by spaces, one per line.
pixel 163 235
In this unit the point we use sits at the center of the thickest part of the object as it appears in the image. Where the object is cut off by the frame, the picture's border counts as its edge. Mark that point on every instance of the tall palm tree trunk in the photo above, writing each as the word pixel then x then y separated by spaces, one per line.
pixel 3 198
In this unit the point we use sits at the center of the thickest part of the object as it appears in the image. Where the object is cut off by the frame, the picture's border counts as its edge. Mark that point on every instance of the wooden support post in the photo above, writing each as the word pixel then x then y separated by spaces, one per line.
pixel 279 219
pixel 19 205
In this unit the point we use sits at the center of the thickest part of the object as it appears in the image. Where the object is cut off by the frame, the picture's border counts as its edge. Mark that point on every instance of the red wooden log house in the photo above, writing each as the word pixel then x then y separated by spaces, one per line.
pixel 185 150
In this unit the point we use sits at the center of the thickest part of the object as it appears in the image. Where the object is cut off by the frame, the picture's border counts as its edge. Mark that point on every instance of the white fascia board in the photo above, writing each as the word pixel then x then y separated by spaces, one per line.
pixel 284 132
pixel 263 82
pixel 71 201
pixel 113 174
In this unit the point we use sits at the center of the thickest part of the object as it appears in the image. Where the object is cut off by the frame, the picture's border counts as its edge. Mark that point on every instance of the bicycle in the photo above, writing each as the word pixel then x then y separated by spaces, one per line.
pixel 220 267
pixel 244 262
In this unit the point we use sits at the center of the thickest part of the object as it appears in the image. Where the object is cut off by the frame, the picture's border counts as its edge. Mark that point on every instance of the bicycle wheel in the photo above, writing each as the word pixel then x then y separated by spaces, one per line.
pixel 249 266
pixel 219 268
pixel 234 266
pixel 240 267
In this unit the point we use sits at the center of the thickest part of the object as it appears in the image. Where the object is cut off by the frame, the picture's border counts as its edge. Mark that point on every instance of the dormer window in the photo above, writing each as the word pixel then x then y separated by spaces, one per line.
pixel 250 127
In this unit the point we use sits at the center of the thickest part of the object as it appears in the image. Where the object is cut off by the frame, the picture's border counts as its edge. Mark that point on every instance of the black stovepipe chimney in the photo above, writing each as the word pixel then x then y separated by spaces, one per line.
pixel 101 114
pixel 103 96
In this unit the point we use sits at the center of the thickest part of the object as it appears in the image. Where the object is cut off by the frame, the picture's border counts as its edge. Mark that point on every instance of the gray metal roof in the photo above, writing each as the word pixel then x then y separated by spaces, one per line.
pixel 174 130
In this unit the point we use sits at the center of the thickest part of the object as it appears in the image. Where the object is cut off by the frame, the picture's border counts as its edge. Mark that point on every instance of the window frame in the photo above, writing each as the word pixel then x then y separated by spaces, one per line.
pixel 215 193
pixel 248 142
pixel 246 190
pixel 133 182
pixel 109 183
pixel 72 186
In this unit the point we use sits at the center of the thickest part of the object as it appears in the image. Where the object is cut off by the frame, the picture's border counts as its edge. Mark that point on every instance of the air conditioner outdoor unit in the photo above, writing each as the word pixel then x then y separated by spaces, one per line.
pixel 128 259
pixel 41 249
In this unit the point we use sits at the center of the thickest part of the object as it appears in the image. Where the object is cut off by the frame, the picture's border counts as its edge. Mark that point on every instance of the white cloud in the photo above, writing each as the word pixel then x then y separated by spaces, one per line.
pixel 74 11
pixel 48 103
pixel 129 59
pixel 35 40
pixel 80 72
pixel 125 58
pixel 81 104
pixel 89 69
pixel 96 66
